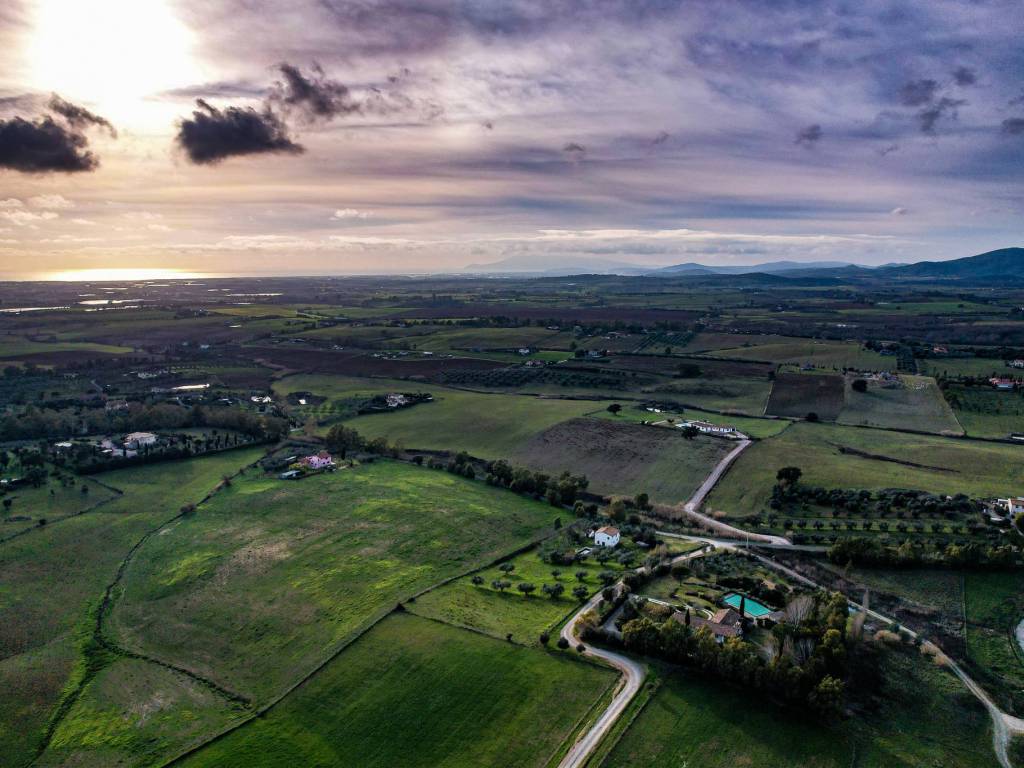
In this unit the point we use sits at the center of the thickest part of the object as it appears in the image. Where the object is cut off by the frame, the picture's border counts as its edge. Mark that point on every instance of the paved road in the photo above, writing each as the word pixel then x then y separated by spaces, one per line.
pixel 633 674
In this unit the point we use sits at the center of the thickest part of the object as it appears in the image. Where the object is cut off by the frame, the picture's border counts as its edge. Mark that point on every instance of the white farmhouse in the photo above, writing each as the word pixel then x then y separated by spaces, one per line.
pixel 138 439
pixel 606 536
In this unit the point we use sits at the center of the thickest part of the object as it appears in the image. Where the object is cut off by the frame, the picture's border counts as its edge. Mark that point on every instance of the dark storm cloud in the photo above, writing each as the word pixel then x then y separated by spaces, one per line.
pixel 43 146
pixel 918 92
pixel 78 117
pixel 965 76
pixel 212 135
pixel 50 143
pixel 1013 126
pixel 809 136
pixel 314 96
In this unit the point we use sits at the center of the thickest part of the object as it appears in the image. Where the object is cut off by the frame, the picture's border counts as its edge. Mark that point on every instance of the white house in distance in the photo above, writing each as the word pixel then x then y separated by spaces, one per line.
pixel 606 536
pixel 138 439
pixel 320 460
pixel 1013 505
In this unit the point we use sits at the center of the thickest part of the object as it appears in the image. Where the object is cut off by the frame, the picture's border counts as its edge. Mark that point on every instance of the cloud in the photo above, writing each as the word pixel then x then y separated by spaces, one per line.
pixel 900 211
pixel 50 202
pixel 1013 126
pixel 809 136
pixel 315 97
pixel 42 146
pixel 79 117
pixel 23 218
pixel 575 151
pixel 11 202
pixel 84 222
pixel 350 213
pixel 918 92
pixel 943 108
pixel 964 76
pixel 212 135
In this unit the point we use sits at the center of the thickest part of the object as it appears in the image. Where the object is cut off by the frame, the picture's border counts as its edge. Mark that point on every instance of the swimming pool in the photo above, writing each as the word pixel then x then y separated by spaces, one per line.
pixel 751 607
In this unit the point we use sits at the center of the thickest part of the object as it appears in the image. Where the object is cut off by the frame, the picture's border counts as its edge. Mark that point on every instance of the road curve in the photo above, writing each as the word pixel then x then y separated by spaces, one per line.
pixel 692 507
pixel 633 674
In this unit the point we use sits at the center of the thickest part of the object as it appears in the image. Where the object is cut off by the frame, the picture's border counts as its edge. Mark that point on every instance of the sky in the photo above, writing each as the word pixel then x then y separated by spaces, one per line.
pixel 392 136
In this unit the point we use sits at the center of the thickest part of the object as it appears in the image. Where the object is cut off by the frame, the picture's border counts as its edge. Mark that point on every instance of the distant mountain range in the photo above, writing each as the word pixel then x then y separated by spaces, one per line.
pixel 768 268
pixel 1002 264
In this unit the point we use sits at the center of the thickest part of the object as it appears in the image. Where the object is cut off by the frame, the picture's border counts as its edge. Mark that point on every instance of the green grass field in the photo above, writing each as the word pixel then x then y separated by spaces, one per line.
pixel 926 719
pixel 485 609
pixel 994 605
pixel 50 502
pixel 12 347
pixel 270 576
pixel 733 394
pixel 50 577
pixel 953 367
pixel 949 465
pixel 415 692
pixel 986 412
pixel 917 405
pixel 817 352
pixel 489 426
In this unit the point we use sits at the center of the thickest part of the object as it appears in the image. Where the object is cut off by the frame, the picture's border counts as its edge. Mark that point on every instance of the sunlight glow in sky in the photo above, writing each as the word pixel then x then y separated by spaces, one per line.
pixel 410 136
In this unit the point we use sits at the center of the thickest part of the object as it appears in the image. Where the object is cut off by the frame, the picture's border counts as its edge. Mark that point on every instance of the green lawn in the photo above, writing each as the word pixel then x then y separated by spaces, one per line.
pixel 11 347
pixel 926 719
pixel 949 465
pixel 51 576
pixel 271 576
pixel 918 405
pixel 50 502
pixel 952 367
pixel 414 692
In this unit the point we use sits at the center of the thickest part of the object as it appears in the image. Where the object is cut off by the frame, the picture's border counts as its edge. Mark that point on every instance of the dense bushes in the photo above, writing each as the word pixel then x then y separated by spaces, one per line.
pixel 866 551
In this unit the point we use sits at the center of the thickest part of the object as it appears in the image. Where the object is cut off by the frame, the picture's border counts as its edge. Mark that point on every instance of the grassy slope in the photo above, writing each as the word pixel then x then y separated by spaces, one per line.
pixel 269 577
pixel 994 604
pixel 51 502
pixel 625 458
pixel 981 469
pixel 730 393
pixel 917 405
pixel 926 719
pixel 488 426
pixel 414 692
pixel 49 578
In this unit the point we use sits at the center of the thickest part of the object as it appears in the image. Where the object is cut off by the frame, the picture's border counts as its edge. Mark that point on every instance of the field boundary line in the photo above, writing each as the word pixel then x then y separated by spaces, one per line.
pixel 106 603
pixel 118 493
pixel 358 633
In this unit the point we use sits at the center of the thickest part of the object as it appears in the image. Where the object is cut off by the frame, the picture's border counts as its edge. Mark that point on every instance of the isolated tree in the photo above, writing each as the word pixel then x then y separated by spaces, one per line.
pixel 614 409
pixel 580 593
pixel 642 501
pixel 582 575
pixel 7 504
pixel 478 580
pixel 580 648
pixel 789 476
pixel 859 385
pixel 500 585
pixel 562 643
pixel 507 567
pixel 526 587
pixel 811 416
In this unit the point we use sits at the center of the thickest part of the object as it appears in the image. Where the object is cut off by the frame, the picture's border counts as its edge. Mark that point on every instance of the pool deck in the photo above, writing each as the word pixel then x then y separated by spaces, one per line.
pixel 751 608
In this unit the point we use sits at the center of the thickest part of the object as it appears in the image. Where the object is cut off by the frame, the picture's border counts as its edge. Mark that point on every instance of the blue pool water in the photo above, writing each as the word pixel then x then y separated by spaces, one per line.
pixel 751 607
